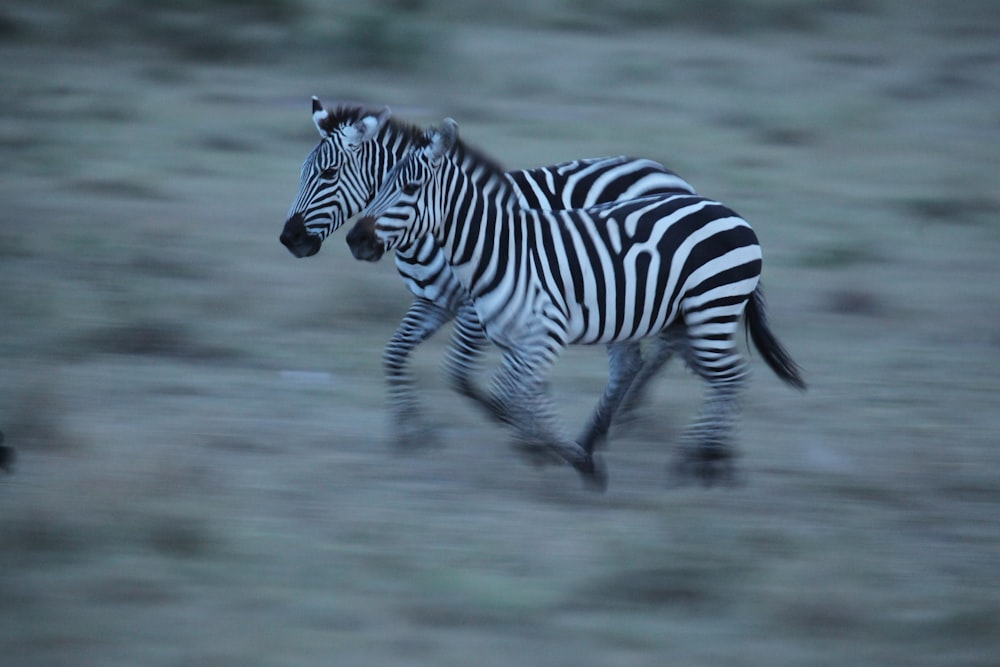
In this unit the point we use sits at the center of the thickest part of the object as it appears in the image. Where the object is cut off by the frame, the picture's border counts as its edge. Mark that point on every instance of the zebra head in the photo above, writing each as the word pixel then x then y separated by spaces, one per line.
pixel 399 213
pixel 337 178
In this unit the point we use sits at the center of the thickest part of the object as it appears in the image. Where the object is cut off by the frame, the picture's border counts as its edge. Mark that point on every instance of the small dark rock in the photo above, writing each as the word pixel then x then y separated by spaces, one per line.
pixel 7 456
pixel 855 302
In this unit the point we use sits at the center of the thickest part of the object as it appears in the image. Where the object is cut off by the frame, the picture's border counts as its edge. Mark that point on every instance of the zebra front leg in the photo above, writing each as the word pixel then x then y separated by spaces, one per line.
pixel 465 352
pixel 624 362
pixel 532 415
pixel 421 321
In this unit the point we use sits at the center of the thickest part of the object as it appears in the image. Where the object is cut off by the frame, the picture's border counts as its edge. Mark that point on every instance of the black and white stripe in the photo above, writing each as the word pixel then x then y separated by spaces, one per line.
pixel 675 266
pixel 340 176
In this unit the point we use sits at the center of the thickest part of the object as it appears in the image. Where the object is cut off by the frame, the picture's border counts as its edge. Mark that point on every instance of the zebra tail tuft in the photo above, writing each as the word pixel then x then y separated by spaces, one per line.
pixel 767 344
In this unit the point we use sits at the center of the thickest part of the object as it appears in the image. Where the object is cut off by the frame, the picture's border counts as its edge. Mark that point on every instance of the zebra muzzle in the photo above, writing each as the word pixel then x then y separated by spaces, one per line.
pixel 363 242
pixel 297 239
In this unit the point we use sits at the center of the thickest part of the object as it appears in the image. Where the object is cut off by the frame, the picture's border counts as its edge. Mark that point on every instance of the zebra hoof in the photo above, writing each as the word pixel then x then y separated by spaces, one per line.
pixel 416 437
pixel 536 454
pixel 709 464
pixel 593 472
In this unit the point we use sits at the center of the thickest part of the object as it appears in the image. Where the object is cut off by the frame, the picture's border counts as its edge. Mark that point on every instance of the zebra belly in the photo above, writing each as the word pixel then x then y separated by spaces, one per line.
pixel 519 318
pixel 624 311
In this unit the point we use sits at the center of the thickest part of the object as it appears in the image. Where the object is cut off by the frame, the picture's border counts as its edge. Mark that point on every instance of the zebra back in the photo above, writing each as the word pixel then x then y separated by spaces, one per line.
pixel 584 183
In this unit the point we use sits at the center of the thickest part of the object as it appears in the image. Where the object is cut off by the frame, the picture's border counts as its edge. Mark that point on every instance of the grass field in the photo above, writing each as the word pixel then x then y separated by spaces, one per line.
pixel 204 473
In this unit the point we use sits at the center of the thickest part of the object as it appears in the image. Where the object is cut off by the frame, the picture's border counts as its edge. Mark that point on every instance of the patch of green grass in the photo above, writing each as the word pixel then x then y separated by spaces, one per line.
pixel 11 28
pixel 150 338
pixel 226 143
pixel 277 11
pixel 39 536
pixel 131 590
pixel 179 536
pixel 124 188
pixel 36 423
pixel 191 30
pixel 821 616
pixel 952 209
pixel 65 535
pixel 855 302
pixel 712 16
pixel 687 587
pixel 13 245
pixel 839 255
pixel 390 40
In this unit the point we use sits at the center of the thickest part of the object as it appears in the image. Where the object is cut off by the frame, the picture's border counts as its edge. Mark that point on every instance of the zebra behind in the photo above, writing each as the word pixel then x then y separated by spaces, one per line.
pixel 340 176
pixel 674 266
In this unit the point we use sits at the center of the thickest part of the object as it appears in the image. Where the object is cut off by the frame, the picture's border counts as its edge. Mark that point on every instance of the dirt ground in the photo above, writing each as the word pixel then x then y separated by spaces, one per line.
pixel 204 472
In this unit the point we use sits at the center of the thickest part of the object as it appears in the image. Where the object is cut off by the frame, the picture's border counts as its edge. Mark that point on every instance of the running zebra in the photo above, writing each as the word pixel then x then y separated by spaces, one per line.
pixel 674 266
pixel 340 176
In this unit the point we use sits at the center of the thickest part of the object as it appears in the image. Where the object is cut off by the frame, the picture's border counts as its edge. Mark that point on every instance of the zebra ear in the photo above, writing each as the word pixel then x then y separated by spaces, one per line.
pixel 319 115
pixel 449 132
pixel 370 125
pixel 442 138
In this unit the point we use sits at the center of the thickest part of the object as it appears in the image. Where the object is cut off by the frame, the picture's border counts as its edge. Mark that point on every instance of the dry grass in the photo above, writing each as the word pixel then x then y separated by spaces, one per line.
pixel 203 472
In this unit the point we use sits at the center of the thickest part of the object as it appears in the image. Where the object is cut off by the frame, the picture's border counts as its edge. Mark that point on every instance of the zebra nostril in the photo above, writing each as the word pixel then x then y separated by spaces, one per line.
pixel 294 232
pixel 297 238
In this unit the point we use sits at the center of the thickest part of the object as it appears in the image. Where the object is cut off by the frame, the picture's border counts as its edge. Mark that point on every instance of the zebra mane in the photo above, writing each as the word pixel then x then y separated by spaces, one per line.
pixel 347 114
pixel 485 170
pixel 477 161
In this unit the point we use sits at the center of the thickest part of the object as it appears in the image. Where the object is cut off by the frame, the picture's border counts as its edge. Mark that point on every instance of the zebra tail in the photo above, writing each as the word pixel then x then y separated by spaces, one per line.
pixel 774 354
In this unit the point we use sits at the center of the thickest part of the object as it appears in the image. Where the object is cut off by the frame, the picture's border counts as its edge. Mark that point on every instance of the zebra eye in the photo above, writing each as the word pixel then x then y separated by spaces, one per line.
pixel 328 173
pixel 411 188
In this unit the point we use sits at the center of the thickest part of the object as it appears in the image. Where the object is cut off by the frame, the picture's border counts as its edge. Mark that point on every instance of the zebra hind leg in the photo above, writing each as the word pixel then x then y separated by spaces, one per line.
pixel 625 362
pixel 422 320
pixel 663 350
pixel 707 453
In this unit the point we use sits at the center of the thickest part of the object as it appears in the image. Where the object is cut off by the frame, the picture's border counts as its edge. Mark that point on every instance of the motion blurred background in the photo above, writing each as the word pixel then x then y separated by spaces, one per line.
pixel 204 473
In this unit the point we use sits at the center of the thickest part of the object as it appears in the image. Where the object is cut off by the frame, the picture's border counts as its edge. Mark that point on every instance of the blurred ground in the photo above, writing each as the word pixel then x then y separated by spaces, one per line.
pixel 204 476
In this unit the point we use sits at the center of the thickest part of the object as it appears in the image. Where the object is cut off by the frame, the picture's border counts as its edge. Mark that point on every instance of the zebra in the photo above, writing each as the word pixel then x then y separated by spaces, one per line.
pixel 357 147
pixel 675 266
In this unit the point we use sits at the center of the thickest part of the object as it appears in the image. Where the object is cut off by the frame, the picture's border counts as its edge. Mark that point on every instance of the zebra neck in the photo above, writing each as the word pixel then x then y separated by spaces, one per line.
pixel 389 148
pixel 479 225
pixel 395 141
